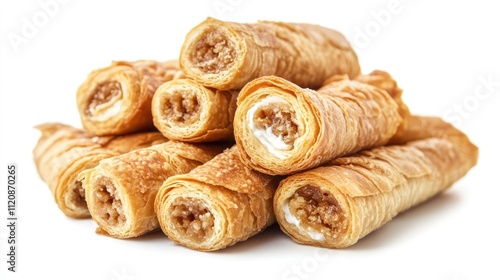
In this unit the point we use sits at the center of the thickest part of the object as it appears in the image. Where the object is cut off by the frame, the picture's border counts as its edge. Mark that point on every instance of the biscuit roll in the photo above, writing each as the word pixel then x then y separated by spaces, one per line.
pixel 227 55
pixel 63 151
pixel 339 203
pixel 185 110
pixel 216 205
pixel 120 191
pixel 117 99
pixel 281 128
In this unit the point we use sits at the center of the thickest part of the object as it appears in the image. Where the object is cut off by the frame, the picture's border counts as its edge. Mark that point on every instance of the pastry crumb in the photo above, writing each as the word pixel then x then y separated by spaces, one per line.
pixel 318 210
pixel 213 53
pixel 109 203
pixel 181 107
pixel 102 94
pixel 77 196
pixel 192 218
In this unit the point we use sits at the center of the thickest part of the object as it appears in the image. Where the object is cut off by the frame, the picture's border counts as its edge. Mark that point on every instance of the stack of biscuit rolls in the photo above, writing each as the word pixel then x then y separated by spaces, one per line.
pixel 253 124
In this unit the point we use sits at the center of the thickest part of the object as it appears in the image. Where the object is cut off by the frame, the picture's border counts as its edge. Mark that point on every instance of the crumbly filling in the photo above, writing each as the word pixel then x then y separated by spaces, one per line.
pixel 109 203
pixel 214 52
pixel 78 195
pixel 182 107
pixel 318 210
pixel 193 219
pixel 280 119
pixel 102 94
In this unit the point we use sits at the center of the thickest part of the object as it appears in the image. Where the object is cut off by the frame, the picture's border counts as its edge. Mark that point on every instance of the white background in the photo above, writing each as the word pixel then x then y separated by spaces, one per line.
pixel 439 52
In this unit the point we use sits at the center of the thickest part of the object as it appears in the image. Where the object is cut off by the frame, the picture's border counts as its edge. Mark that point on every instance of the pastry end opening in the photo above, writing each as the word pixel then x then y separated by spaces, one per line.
pixel 213 51
pixel 103 93
pixel 274 123
pixel 77 196
pixel 192 219
pixel 280 120
pixel 182 107
pixel 318 212
pixel 109 203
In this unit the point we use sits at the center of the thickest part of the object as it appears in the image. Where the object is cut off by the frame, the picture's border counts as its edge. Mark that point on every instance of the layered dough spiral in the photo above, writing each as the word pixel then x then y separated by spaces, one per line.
pixel 116 99
pixel 120 191
pixel 226 55
pixel 216 205
pixel 185 110
pixel 339 203
pixel 281 128
pixel 63 151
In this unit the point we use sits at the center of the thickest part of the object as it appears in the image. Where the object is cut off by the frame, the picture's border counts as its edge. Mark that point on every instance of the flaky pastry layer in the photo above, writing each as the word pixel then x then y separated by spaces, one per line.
pixel 226 55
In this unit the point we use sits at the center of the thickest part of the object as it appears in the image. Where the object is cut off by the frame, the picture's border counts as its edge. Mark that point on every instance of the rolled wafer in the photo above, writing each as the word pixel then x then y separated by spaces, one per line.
pixel 117 99
pixel 63 151
pixel 120 191
pixel 185 110
pixel 281 128
pixel 226 55
pixel 216 205
pixel 337 204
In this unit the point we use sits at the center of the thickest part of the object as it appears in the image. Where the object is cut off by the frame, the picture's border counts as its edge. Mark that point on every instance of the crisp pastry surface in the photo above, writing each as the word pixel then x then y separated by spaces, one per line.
pixel 337 204
pixel 120 191
pixel 217 204
pixel 226 55
pixel 185 110
pixel 116 99
pixel 383 80
pixel 281 128
pixel 63 151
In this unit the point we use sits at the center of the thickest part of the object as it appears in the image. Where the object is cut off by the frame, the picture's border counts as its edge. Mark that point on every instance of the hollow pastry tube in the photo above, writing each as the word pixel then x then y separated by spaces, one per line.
pixel 120 191
pixel 217 204
pixel 226 55
pixel 281 128
pixel 63 151
pixel 339 203
pixel 185 110
pixel 117 99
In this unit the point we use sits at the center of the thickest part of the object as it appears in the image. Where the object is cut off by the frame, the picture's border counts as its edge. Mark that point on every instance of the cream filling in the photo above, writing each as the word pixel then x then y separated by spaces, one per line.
pixel 291 219
pixel 106 111
pixel 273 143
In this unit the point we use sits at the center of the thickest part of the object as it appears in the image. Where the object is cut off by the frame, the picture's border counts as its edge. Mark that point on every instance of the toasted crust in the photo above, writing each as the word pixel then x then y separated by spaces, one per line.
pixel 227 55
pixel 116 99
pixel 185 110
pixel 120 191
pixel 63 151
pixel 366 190
pixel 340 118
pixel 228 203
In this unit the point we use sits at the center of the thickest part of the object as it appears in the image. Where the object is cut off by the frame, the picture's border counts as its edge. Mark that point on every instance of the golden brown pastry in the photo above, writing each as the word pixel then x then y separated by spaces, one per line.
pixel 281 128
pixel 63 151
pixel 227 55
pixel 385 81
pixel 120 191
pixel 217 204
pixel 117 99
pixel 337 204
pixel 185 110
